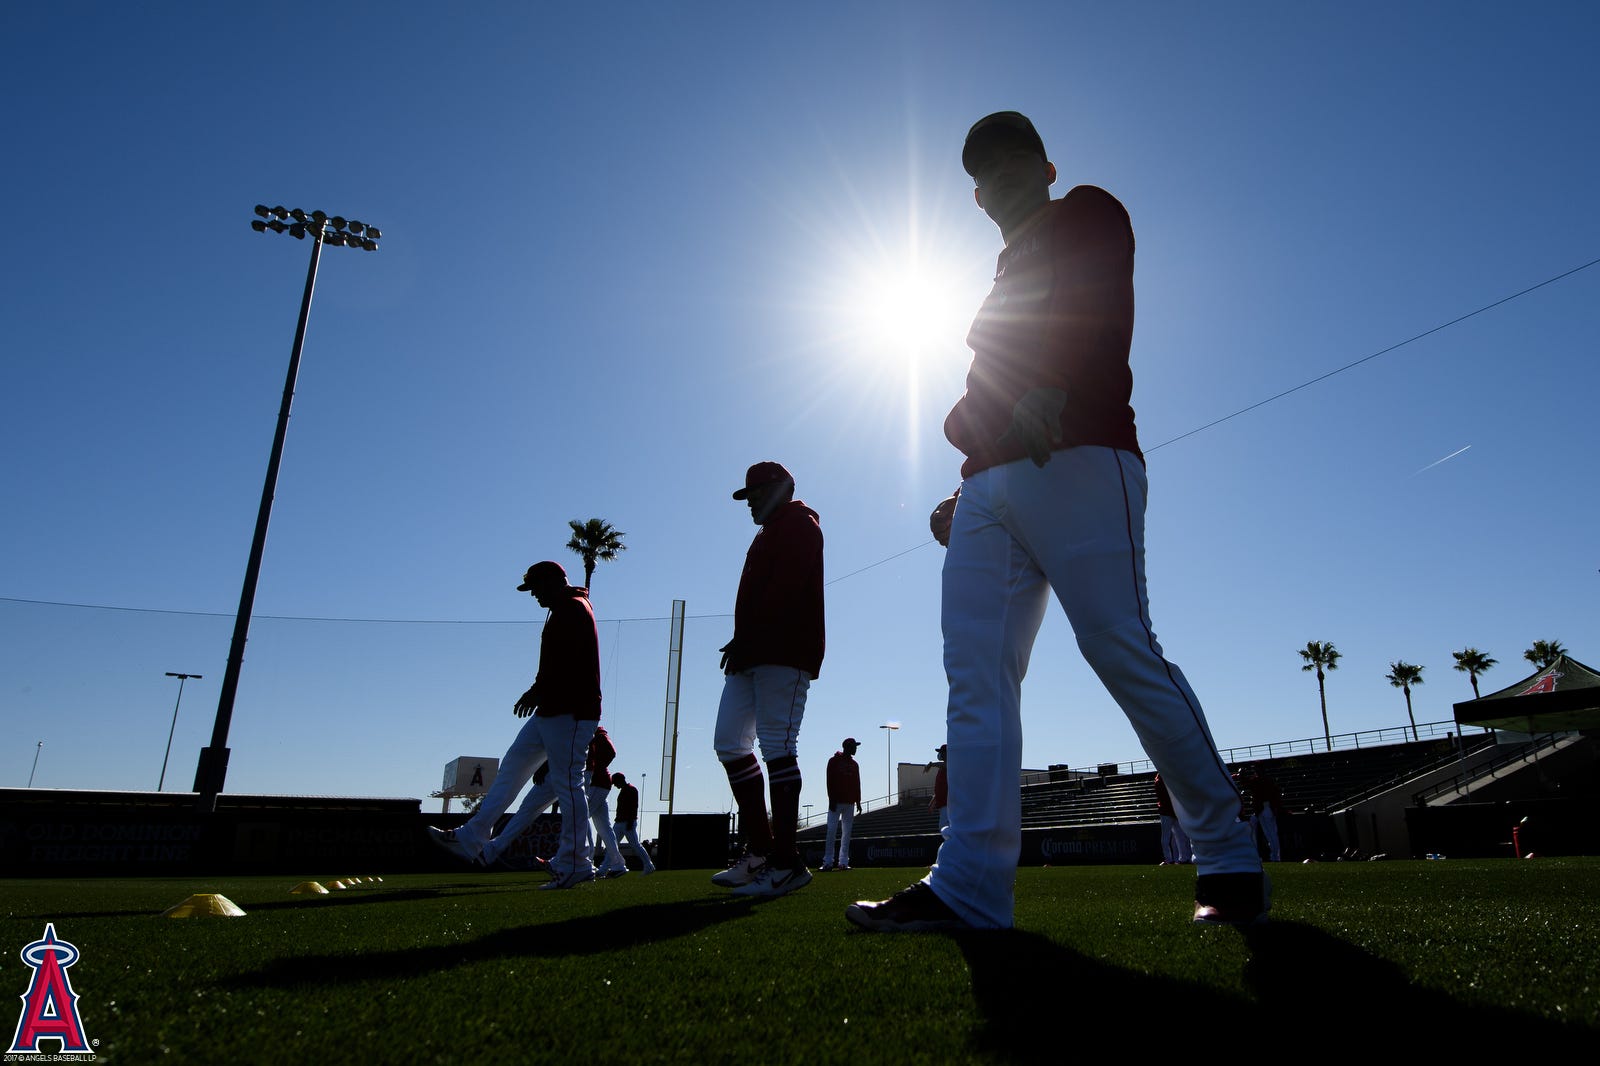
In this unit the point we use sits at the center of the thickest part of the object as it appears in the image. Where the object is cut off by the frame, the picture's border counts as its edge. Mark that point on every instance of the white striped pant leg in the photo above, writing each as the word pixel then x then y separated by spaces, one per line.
pixel 521 759
pixel 605 838
pixel 1082 518
pixel 847 821
pixel 832 837
pixel 780 693
pixel 734 735
pixel 993 602
pixel 535 803
pixel 567 740
pixel 628 833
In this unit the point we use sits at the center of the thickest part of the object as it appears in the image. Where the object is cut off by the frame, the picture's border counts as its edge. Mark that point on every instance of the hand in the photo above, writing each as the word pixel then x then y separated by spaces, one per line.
pixel 526 703
pixel 727 657
pixel 858 806
pixel 939 521
pixel 1036 423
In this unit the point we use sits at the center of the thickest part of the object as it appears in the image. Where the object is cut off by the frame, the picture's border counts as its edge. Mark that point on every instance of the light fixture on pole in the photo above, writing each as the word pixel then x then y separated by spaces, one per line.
pixel 891 727
pixel 212 770
pixel 181 679
pixel 35 769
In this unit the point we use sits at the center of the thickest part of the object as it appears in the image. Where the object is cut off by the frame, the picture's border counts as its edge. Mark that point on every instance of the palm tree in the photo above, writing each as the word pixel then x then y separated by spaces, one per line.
pixel 596 541
pixel 1403 675
pixel 1544 653
pixel 1321 655
pixel 1473 662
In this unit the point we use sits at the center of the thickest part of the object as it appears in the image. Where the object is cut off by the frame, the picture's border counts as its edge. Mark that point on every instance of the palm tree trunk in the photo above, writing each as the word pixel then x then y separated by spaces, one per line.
pixel 1410 715
pixel 1322 693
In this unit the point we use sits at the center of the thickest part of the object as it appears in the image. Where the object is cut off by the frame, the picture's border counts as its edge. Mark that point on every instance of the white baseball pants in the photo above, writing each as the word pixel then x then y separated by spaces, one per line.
pixel 606 855
pixel 765 703
pixel 564 741
pixel 839 815
pixel 1075 527
pixel 628 833
pixel 539 797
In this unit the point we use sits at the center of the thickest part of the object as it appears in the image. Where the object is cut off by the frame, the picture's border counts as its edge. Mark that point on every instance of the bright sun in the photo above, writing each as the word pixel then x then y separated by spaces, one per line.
pixel 910 311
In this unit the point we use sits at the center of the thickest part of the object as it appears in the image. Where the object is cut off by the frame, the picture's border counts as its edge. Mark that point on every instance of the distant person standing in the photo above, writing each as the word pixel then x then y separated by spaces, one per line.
pixel 1052 499
pixel 844 803
pixel 562 708
pixel 940 800
pixel 1174 841
pixel 775 654
pixel 597 792
pixel 627 828
pixel 1266 803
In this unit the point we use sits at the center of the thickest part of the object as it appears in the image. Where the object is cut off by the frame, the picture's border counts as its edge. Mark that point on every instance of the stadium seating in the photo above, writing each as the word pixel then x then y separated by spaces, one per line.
pixel 1312 783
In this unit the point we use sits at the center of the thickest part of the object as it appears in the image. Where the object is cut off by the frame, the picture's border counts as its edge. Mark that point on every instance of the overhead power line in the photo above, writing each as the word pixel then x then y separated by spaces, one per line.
pixel 1374 355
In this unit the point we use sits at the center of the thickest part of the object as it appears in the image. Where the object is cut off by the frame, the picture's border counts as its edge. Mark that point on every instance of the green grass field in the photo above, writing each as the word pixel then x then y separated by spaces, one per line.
pixel 478 967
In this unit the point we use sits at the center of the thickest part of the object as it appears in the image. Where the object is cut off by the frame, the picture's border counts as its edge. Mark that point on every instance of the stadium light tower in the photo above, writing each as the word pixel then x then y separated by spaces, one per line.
pixel 891 727
pixel 212 770
pixel 181 679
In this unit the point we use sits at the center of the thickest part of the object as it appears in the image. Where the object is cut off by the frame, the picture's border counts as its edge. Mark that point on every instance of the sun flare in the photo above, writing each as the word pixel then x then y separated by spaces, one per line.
pixel 910 310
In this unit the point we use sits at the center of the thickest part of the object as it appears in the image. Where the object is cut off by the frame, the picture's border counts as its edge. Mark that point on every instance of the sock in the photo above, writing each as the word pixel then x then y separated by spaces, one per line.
pixel 744 777
pixel 784 775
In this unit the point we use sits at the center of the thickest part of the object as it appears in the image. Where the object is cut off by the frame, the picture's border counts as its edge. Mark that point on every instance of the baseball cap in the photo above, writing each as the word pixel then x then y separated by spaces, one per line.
pixel 541 572
pixel 850 742
pixel 760 475
pixel 1000 128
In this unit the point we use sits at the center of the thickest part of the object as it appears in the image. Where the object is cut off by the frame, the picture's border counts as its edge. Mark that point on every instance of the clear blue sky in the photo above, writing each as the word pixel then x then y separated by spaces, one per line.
pixel 629 252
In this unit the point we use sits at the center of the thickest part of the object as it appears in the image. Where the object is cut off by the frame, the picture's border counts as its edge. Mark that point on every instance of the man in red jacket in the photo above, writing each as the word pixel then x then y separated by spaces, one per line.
pixel 562 708
pixel 844 803
pixel 597 791
pixel 775 654
pixel 627 827
pixel 1052 500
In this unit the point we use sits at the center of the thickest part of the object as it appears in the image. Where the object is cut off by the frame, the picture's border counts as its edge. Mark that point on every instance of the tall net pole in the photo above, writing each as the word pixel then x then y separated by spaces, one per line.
pixel 669 735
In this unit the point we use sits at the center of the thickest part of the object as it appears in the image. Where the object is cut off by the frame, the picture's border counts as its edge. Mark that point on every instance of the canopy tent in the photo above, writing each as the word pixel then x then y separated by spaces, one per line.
pixel 1563 696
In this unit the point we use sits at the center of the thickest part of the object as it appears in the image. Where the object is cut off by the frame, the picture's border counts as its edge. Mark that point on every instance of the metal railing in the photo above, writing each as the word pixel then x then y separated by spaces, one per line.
pixel 1455 783
pixel 1278 749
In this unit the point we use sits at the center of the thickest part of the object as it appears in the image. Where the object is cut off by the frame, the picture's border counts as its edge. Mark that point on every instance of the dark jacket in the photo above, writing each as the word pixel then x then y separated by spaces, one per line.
pixel 598 764
pixel 777 619
pixel 844 780
pixel 569 660
pixel 627 804
pixel 1060 316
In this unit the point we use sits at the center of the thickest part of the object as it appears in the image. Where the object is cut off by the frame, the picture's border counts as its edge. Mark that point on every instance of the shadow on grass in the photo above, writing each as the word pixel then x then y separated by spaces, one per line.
pixel 1307 982
pixel 1037 999
pixel 589 935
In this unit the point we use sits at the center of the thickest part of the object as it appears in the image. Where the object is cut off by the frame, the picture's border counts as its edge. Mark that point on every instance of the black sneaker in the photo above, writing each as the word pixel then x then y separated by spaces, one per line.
pixel 914 910
pixel 1232 899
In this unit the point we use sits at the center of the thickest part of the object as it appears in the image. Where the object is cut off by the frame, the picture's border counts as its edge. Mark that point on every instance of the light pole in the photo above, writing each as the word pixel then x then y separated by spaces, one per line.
pixel 891 727
pixel 35 769
pixel 181 679
pixel 212 770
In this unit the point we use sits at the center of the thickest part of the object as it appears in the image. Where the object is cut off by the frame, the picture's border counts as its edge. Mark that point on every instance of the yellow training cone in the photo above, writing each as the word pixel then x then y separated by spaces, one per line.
pixel 305 888
pixel 340 885
pixel 204 905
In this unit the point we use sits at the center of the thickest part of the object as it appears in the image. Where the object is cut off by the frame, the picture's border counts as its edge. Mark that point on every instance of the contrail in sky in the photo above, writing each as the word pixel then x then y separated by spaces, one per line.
pixel 1452 455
